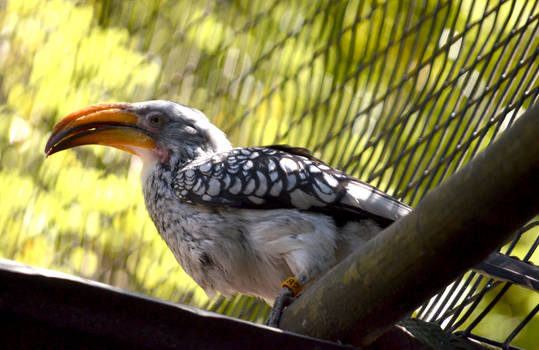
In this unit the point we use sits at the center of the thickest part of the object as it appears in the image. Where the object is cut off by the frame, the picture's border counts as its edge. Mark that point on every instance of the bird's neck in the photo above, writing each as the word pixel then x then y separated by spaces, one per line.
pixel 162 170
pixel 175 161
pixel 178 160
pixel 162 203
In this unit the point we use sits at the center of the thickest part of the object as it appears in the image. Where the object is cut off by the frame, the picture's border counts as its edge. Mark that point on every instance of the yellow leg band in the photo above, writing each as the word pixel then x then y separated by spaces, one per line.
pixel 293 284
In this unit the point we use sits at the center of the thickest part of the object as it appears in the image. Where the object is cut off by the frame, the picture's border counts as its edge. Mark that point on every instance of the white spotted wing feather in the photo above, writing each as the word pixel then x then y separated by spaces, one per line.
pixel 268 178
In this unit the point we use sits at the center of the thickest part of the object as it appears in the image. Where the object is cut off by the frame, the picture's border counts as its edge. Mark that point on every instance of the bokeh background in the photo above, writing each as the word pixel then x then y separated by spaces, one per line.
pixel 398 93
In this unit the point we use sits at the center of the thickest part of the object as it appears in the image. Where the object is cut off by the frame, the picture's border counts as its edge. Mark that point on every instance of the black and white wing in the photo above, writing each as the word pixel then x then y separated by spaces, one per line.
pixel 282 177
pixel 286 177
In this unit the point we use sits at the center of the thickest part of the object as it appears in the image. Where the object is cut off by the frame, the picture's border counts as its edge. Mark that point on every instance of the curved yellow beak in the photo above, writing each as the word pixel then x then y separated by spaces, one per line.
pixel 104 124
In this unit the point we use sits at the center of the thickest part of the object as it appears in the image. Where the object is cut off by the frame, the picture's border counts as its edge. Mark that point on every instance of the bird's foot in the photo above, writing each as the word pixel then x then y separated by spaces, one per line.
pixel 284 298
pixel 290 289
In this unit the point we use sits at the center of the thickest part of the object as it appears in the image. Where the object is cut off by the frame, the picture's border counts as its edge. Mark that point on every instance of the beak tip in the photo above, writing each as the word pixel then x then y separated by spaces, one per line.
pixel 48 148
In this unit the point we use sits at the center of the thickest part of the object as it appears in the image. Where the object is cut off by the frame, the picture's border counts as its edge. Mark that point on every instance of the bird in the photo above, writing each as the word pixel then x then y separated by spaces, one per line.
pixel 260 221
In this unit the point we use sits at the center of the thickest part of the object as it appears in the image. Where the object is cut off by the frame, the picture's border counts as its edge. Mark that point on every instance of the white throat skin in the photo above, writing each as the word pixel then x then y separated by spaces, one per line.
pixel 149 161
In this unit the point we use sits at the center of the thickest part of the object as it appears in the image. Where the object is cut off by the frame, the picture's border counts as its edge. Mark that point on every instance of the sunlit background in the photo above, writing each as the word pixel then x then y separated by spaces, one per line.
pixel 401 94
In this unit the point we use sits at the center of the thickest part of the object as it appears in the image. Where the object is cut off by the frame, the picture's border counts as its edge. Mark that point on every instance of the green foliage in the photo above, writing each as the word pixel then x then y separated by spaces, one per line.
pixel 397 100
pixel 78 212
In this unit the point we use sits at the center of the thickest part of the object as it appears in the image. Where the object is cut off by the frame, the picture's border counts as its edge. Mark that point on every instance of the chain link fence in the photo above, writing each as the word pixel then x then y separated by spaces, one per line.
pixel 399 93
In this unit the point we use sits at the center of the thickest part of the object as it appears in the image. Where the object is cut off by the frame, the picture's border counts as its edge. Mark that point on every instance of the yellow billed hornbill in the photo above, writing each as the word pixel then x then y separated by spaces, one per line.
pixel 238 220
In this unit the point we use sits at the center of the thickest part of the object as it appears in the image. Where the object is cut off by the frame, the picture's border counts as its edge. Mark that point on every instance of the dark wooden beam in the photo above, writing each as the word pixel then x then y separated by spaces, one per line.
pixel 453 228
pixel 43 309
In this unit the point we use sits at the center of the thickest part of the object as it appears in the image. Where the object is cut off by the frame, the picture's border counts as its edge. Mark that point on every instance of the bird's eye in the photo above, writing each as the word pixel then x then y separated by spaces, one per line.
pixel 156 120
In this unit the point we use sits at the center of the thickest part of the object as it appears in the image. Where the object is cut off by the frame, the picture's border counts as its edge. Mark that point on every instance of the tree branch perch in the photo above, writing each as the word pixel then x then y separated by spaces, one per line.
pixel 456 225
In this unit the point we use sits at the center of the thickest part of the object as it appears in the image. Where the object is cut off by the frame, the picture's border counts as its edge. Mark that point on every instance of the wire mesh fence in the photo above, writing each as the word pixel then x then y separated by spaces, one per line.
pixel 470 299
pixel 399 93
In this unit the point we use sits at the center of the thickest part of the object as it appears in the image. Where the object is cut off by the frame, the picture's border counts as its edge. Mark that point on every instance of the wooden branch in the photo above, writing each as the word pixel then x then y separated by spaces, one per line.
pixel 452 229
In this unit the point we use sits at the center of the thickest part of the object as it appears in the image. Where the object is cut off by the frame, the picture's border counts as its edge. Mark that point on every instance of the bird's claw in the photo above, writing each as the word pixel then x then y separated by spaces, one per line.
pixel 284 298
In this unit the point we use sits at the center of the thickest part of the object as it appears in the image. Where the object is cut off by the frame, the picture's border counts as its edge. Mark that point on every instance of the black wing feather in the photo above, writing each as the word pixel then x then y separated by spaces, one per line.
pixel 299 151
pixel 283 177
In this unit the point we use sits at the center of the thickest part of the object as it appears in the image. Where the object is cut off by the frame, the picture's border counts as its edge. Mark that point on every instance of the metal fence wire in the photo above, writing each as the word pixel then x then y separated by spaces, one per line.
pixel 398 93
